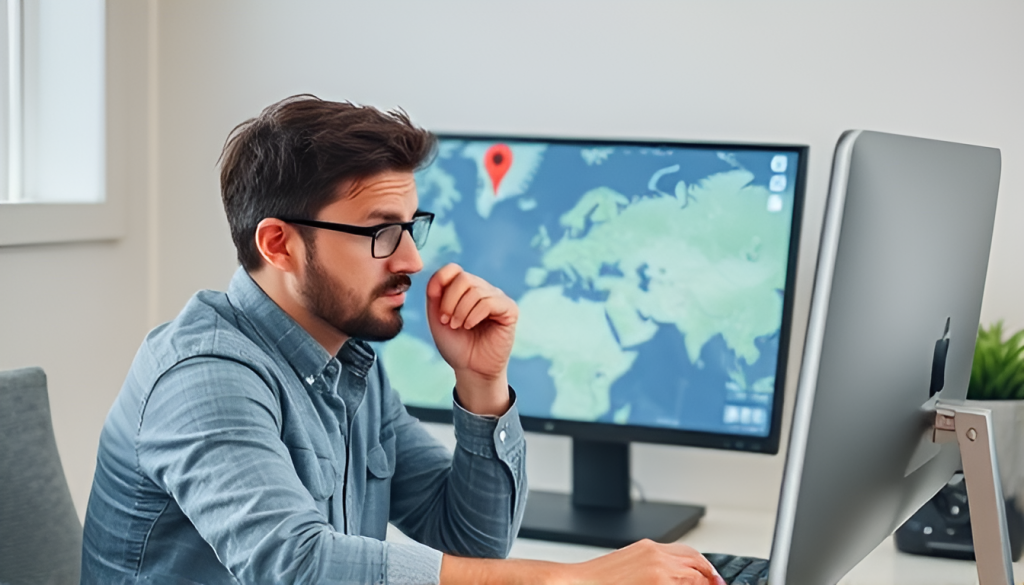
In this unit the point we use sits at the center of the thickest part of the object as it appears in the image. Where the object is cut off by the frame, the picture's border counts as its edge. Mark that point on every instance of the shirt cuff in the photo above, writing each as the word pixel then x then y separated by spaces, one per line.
pixel 412 564
pixel 485 435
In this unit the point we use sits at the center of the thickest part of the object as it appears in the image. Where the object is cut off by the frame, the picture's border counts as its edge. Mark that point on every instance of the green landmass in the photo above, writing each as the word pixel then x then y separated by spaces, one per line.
pixel 630 326
pixel 714 261
pixel 585 358
pixel 438 188
pixel 621 416
pixel 443 240
pixel 526 159
pixel 595 156
pixel 417 372
pixel 438 195
pixel 764 385
pixel 597 205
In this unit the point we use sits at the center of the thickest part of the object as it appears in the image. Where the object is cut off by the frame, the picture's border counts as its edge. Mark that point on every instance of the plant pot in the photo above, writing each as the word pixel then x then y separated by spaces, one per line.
pixel 942 526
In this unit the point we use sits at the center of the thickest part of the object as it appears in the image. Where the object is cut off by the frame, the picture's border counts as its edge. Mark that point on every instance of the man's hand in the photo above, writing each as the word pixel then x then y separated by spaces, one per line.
pixel 641 563
pixel 647 562
pixel 473 324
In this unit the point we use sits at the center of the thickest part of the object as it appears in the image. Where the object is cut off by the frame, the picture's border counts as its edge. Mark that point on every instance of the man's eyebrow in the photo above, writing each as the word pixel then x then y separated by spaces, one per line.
pixel 384 215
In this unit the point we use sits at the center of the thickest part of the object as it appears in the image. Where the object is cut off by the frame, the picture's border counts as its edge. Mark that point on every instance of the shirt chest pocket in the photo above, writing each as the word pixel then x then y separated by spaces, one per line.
pixel 318 474
pixel 380 467
pixel 380 463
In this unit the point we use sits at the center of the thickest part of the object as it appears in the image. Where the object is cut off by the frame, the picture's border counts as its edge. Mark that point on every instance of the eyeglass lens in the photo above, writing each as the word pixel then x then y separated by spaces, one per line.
pixel 385 242
pixel 420 229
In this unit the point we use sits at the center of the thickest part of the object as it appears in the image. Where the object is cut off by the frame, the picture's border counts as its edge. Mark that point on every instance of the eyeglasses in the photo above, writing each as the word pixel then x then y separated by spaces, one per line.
pixel 386 236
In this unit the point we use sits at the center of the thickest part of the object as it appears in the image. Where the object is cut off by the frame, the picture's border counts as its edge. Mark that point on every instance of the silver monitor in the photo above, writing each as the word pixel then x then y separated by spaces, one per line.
pixel 893 323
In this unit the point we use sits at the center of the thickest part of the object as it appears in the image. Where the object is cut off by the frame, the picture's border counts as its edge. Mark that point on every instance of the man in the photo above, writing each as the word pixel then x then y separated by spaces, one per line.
pixel 256 438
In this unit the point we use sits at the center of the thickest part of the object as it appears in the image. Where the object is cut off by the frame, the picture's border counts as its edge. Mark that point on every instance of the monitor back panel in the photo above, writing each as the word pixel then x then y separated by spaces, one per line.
pixel 905 247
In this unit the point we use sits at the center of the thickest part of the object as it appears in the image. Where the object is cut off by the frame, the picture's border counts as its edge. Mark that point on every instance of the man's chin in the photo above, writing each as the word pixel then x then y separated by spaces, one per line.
pixel 379 329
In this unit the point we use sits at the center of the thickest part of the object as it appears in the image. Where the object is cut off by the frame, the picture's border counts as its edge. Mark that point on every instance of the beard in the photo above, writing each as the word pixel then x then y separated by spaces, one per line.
pixel 342 308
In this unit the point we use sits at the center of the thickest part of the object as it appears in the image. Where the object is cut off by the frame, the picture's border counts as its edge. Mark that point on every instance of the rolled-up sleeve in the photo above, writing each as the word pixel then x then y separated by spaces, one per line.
pixel 210 436
pixel 469 503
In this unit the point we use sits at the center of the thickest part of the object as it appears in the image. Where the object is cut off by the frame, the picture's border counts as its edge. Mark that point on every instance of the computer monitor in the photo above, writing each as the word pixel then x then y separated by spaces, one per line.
pixel 655 286
pixel 892 328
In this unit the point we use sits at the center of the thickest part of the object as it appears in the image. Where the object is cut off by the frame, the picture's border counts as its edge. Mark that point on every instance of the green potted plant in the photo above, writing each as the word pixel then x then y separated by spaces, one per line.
pixel 998 369
pixel 942 526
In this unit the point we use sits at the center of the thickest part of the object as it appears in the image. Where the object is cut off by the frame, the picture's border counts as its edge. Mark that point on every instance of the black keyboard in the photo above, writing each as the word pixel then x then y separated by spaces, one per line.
pixel 740 570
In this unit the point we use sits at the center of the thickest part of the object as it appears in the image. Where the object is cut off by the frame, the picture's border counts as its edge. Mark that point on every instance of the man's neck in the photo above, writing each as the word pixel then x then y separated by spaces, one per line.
pixel 286 296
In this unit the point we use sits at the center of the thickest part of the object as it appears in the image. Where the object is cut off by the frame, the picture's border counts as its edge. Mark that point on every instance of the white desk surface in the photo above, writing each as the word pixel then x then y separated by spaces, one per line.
pixel 749 533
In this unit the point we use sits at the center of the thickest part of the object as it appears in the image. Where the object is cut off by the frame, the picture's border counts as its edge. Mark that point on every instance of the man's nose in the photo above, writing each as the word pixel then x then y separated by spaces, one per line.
pixel 406 259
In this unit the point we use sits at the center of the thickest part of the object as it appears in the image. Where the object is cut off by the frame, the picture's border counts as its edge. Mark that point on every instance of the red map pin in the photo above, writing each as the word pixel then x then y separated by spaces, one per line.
pixel 497 161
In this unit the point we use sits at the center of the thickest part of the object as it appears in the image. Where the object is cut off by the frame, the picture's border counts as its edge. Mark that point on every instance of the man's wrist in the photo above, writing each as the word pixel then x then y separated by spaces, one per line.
pixel 481 395
pixel 461 570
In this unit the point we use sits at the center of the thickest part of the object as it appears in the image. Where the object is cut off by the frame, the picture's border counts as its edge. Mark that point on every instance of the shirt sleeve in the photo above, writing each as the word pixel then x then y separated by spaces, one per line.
pixel 469 502
pixel 210 436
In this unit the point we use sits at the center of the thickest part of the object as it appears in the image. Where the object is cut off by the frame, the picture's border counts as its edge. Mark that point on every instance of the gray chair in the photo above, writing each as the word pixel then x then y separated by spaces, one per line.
pixel 40 534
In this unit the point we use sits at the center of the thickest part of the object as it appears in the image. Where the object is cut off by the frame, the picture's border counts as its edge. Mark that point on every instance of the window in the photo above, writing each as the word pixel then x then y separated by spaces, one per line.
pixel 52 127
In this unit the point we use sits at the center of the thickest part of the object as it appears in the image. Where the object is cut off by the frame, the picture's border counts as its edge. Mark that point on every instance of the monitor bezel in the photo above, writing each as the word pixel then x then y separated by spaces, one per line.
pixel 600 431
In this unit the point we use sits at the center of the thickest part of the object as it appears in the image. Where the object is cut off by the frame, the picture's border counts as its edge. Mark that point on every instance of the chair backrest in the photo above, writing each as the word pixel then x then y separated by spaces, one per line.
pixel 40 534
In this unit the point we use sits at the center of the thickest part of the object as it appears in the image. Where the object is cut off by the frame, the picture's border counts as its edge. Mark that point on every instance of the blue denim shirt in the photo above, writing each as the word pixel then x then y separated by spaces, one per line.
pixel 240 451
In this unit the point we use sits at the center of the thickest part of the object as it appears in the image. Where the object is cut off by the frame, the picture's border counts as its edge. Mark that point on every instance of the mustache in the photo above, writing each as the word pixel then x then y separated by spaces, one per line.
pixel 395 281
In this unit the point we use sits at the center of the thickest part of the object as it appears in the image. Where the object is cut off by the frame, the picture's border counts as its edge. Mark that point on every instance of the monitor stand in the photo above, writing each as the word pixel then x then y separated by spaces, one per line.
pixel 600 511
pixel 972 429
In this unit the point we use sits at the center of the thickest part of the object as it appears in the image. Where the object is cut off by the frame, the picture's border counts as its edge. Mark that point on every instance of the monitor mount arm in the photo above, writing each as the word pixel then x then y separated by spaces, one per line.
pixel 971 427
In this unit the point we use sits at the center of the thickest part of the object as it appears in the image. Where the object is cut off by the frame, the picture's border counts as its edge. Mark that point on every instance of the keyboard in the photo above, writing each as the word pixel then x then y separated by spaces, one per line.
pixel 740 570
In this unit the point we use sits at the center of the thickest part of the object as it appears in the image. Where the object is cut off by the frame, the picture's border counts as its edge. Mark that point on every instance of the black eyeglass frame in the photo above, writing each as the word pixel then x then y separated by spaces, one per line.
pixel 372 231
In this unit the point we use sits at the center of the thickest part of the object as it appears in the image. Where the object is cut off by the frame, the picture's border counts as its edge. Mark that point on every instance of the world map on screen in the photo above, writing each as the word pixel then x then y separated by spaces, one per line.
pixel 649 279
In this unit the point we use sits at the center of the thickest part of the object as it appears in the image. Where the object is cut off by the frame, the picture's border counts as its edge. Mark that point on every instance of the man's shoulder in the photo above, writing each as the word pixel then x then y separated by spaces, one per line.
pixel 208 326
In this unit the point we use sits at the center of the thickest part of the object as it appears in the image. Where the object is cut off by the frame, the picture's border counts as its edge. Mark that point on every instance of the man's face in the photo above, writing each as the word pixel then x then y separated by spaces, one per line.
pixel 343 284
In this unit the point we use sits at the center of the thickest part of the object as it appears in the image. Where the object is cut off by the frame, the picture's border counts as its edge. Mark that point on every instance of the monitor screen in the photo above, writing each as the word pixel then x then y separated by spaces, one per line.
pixel 654 282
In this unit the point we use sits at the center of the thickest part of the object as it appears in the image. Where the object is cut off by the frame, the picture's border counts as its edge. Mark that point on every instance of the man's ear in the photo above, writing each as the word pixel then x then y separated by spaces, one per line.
pixel 280 244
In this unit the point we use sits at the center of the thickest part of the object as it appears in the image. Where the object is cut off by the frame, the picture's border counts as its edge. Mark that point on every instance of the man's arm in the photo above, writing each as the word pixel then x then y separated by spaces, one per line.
pixel 469 502
pixel 641 563
pixel 210 437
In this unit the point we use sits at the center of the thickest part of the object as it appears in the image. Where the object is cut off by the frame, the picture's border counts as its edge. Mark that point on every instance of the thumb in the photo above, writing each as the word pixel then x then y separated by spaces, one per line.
pixel 434 287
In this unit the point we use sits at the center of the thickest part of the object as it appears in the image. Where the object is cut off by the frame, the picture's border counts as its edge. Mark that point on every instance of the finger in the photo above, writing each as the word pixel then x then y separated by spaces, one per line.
pixel 469 300
pixel 498 309
pixel 441 279
pixel 433 308
pixel 453 293
pixel 705 568
pixel 691 576
pixel 695 559
pixel 482 310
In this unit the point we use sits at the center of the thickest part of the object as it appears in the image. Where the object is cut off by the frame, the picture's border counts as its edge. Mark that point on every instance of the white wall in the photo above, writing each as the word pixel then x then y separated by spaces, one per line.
pixel 80 310
pixel 786 71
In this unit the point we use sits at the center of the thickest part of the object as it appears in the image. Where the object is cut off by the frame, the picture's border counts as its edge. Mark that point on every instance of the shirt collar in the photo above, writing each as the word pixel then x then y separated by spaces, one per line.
pixel 358 356
pixel 305 355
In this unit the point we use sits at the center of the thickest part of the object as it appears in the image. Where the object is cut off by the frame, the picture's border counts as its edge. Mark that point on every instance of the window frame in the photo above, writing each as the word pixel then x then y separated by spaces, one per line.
pixel 30 223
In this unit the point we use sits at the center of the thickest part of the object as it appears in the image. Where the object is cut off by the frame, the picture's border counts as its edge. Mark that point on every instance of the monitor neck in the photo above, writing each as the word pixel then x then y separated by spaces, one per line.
pixel 600 474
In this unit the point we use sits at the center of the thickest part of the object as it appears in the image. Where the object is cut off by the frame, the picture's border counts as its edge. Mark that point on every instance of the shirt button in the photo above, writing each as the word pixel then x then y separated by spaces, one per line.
pixel 501 436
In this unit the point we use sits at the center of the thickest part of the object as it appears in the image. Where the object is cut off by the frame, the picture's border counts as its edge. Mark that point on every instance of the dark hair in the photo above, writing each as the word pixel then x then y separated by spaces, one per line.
pixel 290 160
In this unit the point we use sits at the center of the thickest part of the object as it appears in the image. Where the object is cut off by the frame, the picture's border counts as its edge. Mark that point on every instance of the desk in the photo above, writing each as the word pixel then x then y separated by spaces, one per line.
pixel 750 534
